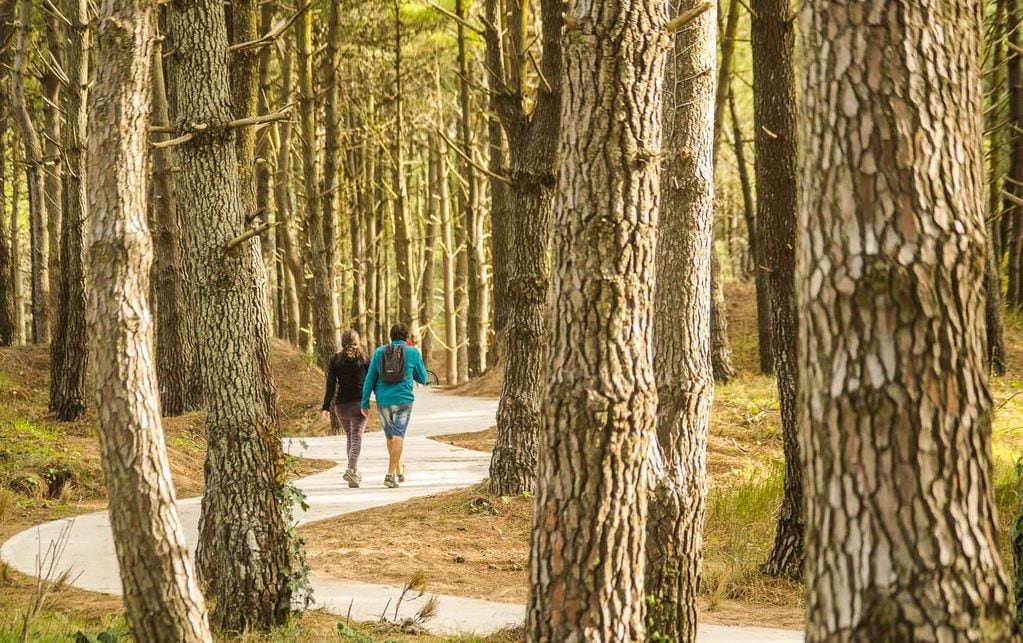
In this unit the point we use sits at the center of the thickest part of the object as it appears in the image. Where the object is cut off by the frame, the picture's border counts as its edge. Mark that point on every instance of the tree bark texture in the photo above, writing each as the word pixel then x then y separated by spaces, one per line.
pixel 243 554
pixel 720 352
pixel 599 415
pixel 333 167
pixel 35 176
pixel 1013 212
pixel 408 309
pixel 319 289
pixel 8 265
pixel 685 380
pixel 53 167
pixel 161 598
pixel 69 348
pixel 895 412
pixel 532 156
pixel 175 341
pixel 774 102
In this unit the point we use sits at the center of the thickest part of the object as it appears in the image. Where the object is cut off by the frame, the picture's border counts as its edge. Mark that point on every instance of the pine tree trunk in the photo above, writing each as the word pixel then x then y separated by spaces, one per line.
pixel 500 229
pixel 408 309
pixel 993 273
pixel 244 552
pixel 175 342
pixel 263 202
pixel 462 287
pixel 356 229
pixel 532 155
pixel 68 350
pixel 17 288
pixel 685 380
pixel 53 168
pixel 1013 212
pixel 34 173
pixel 319 289
pixel 8 317
pixel 720 353
pixel 297 325
pixel 373 321
pixel 161 599
pixel 427 310
pixel 894 405
pixel 333 167
pixel 447 230
pixel 774 93
pixel 599 414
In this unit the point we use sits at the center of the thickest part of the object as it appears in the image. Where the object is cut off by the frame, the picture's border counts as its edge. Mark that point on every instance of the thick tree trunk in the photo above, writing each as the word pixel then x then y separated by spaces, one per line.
pixel 319 289
pixel 894 406
pixel 599 414
pixel 685 380
pixel 160 594
pixel 175 342
pixel 244 552
pixel 774 93
pixel 69 350
pixel 35 176
pixel 532 153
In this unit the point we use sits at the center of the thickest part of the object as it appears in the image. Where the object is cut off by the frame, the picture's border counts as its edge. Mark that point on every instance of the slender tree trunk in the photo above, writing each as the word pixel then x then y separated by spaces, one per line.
pixel 244 552
pixel 774 91
pixel 462 288
pixel 685 380
pixel 426 291
pixel 298 326
pixel 532 153
pixel 721 354
pixel 160 594
pixel 587 558
pixel 447 230
pixel 320 289
pixel 69 350
pixel 333 168
pixel 993 272
pixel 175 341
pixel 34 173
pixel 472 220
pixel 373 321
pixel 263 202
pixel 407 307
pixel 500 229
pixel 53 167
pixel 8 265
pixel 1014 178
pixel 356 216
pixel 894 405
pixel 764 347
pixel 16 272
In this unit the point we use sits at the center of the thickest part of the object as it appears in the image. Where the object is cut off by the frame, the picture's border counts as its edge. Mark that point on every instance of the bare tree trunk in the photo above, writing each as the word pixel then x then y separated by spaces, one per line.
pixel 373 321
pixel 298 326
pixel 993 273
pixel 447 229
pixel 895 411
pixel 721 354
pixel 356 228
pixel 774 92
pixel 175 342
pixel 500 229
pixel 685 380
pixel 69 350
pixel 53 166
pixel 426 291
pixel 35 174
pixel 160 594
pixel 263 202
pixel 8 260
pixel 532 154
pixel 320 289
pixel 462 288
pixel 408 310
pixel 244 552
pixel 17 288
pixel 1013 212
pixel 587 558
pixel 333 190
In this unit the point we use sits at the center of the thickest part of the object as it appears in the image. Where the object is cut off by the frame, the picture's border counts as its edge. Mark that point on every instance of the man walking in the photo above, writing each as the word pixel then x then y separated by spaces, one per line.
pixel 391 372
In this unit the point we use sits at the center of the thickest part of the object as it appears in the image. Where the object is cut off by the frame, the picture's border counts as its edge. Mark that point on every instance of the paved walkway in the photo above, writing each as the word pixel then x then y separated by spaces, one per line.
pixel 433 467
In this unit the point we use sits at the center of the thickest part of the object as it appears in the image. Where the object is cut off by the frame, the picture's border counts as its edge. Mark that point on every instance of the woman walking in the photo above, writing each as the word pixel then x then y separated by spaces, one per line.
pixel 346 374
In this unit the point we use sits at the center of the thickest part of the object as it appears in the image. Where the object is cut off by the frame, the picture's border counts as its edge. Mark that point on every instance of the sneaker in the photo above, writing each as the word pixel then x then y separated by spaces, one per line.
pixel 353 478
pixel 390 483
pixel 401 474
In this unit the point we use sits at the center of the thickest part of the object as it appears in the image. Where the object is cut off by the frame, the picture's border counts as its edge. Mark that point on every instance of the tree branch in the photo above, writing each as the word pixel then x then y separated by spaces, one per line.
pixel 472 161
pixel 274 33
pixel 464 23
pixel 248 234
pixel 684 19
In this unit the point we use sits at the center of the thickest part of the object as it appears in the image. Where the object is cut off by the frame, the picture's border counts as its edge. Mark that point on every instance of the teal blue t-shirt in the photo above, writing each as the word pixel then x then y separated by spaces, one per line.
pixel 392 394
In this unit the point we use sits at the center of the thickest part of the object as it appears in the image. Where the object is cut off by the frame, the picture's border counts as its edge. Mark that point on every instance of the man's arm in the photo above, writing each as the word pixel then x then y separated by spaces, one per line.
pixel 419 369
pixel 371 381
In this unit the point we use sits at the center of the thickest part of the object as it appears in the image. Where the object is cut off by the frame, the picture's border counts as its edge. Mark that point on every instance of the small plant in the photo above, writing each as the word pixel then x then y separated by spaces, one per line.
pixel 482 507
pixel 348 633
pixel 111 635
pixel 414 589
pixel 291 496
pixel 48 580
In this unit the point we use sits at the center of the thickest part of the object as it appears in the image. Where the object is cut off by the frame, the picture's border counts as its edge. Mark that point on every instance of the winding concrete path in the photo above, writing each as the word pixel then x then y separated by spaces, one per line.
pixel 433 467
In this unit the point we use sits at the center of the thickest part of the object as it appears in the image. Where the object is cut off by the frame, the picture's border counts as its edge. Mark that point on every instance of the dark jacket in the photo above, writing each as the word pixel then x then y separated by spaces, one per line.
pixel 345 376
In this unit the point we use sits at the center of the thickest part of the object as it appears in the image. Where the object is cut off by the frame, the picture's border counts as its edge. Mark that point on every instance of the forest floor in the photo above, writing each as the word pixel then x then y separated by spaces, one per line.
pixel 472 543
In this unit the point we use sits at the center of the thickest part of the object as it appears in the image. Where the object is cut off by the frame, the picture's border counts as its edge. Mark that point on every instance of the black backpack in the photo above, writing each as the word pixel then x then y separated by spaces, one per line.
pixel 392 364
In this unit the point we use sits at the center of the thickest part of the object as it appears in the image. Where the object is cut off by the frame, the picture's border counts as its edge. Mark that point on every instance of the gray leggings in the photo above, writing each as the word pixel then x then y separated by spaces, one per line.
pixel 353 422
